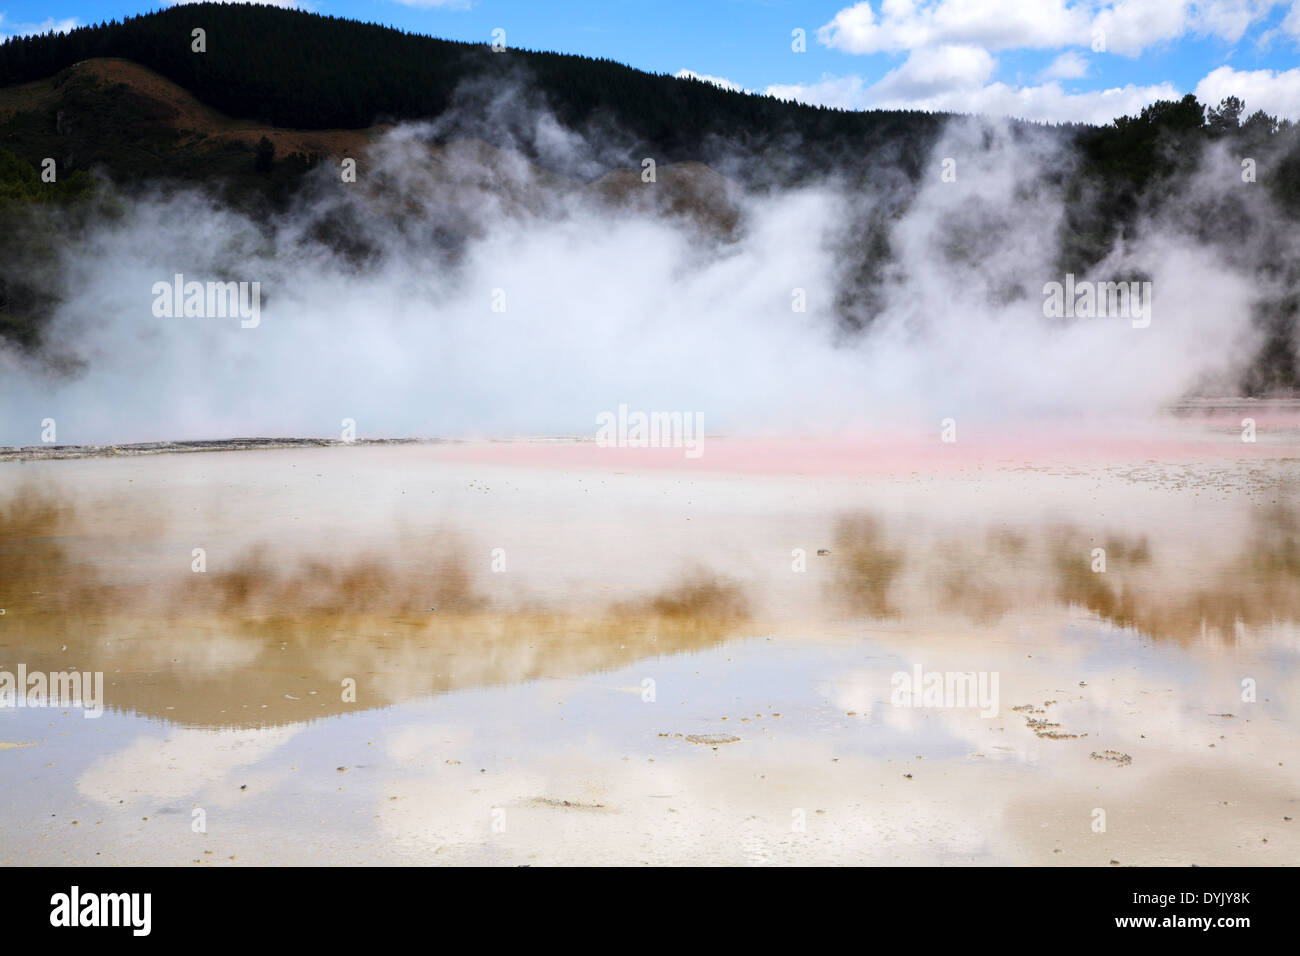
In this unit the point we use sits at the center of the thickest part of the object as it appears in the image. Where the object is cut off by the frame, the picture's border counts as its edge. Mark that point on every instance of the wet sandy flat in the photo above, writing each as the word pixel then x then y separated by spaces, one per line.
pixel 564 654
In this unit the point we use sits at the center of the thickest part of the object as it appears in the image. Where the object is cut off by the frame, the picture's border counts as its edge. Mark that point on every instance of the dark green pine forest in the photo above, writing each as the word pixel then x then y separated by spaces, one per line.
pixel 296 70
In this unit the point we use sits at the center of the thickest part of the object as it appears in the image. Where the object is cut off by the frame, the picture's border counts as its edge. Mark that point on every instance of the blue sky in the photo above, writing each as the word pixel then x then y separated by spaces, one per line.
pixel 1044 59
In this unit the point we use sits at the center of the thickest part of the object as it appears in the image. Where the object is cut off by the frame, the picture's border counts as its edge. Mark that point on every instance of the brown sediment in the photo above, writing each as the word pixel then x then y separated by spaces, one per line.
pixel 550 803
pixel 1114 756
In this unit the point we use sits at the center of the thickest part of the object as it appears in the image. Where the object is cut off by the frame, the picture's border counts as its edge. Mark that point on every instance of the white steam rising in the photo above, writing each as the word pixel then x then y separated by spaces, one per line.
pixel 609 302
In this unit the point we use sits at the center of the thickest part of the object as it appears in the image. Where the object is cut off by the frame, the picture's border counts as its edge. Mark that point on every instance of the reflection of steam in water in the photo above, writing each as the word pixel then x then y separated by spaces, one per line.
pixel 705 603
pixel 1254 585
pixel 268 636
pixel 269 641
pixel 259 589
pixel 1101 592
pixel 1183 596
pixel 37 569
pixel 1258 585
pixel 867 565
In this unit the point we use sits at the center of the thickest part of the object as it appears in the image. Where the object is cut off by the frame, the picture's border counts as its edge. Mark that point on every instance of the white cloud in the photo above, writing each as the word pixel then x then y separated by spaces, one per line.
pixel 1130 26
pixel 1291 25
pixel 444 4
pixel 33 29
pixel 950 66
pixel 993 24
pixel 1067 66
pixel 933 72
pixel 1276 93
pixel 1049 103
pixel 843 92
pixel 721 81
pixel 946 89
pixel 1229 19
pixel 1045 103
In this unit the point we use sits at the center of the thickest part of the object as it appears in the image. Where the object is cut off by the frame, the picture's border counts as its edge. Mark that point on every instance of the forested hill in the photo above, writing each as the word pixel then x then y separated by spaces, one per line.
pixel 134 101
pixel 293 69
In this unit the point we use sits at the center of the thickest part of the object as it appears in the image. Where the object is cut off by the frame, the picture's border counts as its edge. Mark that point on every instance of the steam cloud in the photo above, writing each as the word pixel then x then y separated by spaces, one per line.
pixel 377 301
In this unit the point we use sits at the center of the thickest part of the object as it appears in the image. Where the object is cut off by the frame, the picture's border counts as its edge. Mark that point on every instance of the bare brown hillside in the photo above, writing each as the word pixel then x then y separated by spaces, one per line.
pixel 135 122
pixel 169 105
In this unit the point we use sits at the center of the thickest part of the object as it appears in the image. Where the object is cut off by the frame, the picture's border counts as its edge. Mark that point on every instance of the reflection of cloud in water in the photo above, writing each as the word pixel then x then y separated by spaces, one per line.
pixel 695 806
pixel 187 764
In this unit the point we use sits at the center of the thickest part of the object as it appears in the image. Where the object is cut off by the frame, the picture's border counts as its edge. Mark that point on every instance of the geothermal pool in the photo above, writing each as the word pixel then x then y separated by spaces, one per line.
pixel 555 653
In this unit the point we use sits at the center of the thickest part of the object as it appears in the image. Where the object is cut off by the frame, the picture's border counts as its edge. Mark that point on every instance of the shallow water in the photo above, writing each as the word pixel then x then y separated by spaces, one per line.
pixel 535 631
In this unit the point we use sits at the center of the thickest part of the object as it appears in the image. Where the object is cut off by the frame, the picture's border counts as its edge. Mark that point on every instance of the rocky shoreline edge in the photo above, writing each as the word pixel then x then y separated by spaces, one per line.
pixel 126 450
